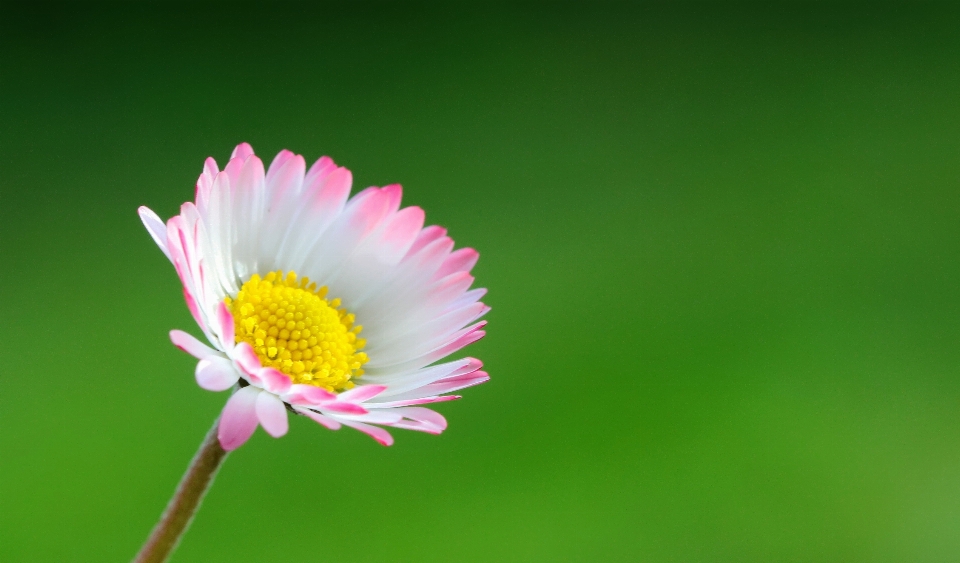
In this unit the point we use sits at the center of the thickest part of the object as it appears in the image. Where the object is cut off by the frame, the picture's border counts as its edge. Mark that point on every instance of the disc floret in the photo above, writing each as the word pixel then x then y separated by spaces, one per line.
pixel 293 327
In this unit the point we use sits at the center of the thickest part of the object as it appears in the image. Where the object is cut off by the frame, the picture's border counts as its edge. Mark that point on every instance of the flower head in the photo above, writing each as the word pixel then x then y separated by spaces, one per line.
pixel 333 308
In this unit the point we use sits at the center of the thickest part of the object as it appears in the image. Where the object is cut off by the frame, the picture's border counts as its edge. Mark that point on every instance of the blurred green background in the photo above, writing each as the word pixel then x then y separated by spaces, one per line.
pixel 721 241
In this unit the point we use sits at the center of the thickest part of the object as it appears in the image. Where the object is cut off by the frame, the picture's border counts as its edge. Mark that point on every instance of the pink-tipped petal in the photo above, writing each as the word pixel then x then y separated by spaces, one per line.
pixel 361 393
pixel 193 308
pixel 225 322
pixel 319 418
pixel 191 345
pixel 272 414
pixel 239 418
pixel 278 161
pixel 400 232
pixel 425 416
pixel 393 193
pixel 319 171
pixel 462 260
pixel 247 359
pixel 300 394
pixel 375 432
pixel 439 387
pixel 343 408
pixel 369 208
pixel 425 237
pixel 233 169
pixel 472 365
pixel 242 151
pixel 473 334
pixel 274 380
pixel 216 374
pixel 334 192
pixel 210 168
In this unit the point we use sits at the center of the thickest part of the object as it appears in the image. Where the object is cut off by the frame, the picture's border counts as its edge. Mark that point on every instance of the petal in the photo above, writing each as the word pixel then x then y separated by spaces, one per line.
pixel 225 320
pixel 216 374
pixel 425 416
pixel 462 260
pixel 425 237
pixel 394 193
pixel 247 359
pixel 156 228
pixel 243 150
pixel 272 414
pixel 399 233
pixel 239 418
pixel 412 402
pixel 402 382
pixel 192 346
pixel 361 393
pixel 342 408
pixel 308 394
pixel 274 380
pixel 380 416
pixel 377 433
pixel 319 418
pixel 440 387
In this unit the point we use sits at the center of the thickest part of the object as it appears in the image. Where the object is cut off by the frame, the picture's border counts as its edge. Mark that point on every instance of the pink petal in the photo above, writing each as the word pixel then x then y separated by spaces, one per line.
pixel 393 193
pixel 417 426
pixel 191 345
pixel 308 394
pixel 216 374
pixel 278 161
pixel 361 393
pixel 225 320
pixel 399 233
pixel 193 308
pixel 319 170
pixel 473 365
pixel 377 433
pixel 448 289
pixel 437 388
pixel 425 416
pixel 334 193
pixel 210 168
pixel 343 408
pixel 239 418
pixel 233 170
pixel 248 360
pixel 368 209
pixel 274 380
pixel 462 260
pixel 272 414
pixel 242 151
pixel 285 175
pixel 426 236
pixel 319 418
pixel 472 334
pixel 156 228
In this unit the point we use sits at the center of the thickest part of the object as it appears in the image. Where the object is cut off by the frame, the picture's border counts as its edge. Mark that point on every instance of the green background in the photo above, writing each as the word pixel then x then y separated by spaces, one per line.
pixel 721 243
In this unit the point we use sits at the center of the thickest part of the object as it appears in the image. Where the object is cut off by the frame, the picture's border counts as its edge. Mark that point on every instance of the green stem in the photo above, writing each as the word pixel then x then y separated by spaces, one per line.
pixel 176 518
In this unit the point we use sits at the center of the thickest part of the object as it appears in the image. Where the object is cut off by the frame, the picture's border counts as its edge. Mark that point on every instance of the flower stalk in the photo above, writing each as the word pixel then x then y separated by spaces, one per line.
pixel 185 502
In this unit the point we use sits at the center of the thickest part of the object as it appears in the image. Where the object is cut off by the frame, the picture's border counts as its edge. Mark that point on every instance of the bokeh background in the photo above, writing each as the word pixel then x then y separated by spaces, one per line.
pixel 721 241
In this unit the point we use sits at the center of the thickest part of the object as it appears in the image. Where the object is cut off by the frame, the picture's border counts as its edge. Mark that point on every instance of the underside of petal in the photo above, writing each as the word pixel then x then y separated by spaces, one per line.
pixel 216 374
pixel 272 414
pixel 239 418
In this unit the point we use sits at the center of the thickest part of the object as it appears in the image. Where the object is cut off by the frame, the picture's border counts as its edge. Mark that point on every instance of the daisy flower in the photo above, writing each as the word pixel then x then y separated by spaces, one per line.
pixel 311 303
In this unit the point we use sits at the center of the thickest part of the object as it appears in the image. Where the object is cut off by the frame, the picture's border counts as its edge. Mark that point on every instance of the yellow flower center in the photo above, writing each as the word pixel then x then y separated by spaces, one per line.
pixel 294 329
